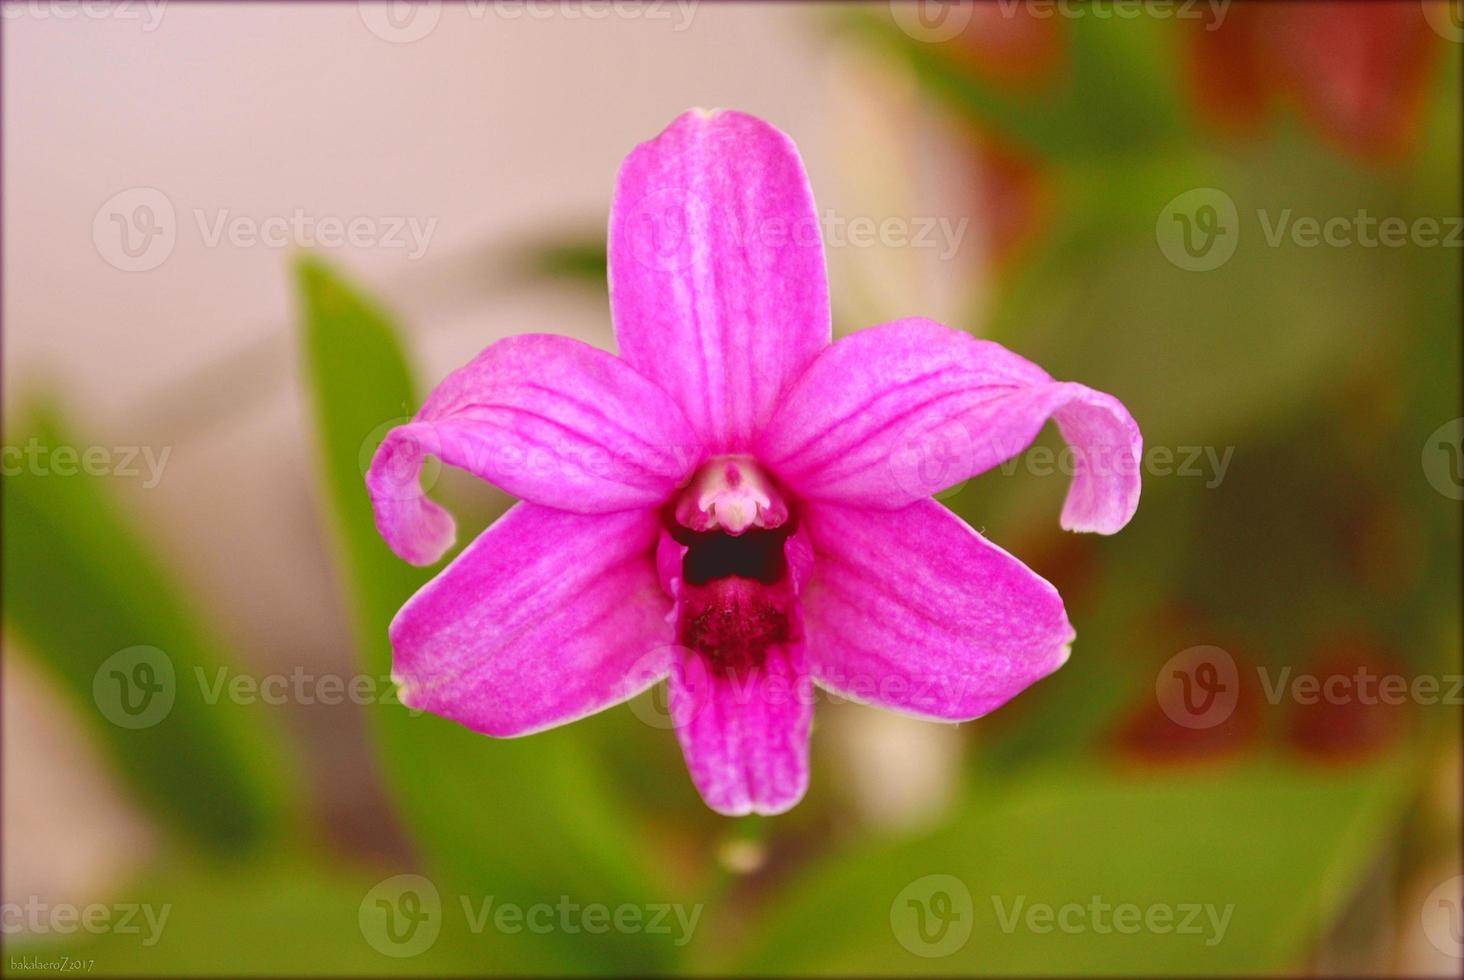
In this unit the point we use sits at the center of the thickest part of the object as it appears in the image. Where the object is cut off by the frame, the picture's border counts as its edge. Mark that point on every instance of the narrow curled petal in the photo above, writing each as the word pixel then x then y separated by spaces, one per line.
pixel 549 419
pixel 549 616
pixel 717 282
pixel 895 413
pixel 745 736
pixel 915 611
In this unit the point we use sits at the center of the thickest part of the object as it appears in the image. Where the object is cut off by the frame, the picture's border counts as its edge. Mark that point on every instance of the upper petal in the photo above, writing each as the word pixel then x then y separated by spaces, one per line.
pixel 717 281
pixel 913 610
pixel 546 418
pixel 549 616
pixel 895 413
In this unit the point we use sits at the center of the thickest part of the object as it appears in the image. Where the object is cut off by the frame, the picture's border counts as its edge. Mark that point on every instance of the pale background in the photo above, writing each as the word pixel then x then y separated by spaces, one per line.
pixel 501 130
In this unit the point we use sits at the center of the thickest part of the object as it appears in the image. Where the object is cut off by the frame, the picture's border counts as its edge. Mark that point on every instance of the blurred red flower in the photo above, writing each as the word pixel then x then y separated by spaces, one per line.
pixel 1356 71
pixel 1008 43
pixel 1357 701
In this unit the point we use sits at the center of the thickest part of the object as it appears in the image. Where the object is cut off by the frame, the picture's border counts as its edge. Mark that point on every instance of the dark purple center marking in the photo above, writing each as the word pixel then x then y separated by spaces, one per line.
pixel 735 596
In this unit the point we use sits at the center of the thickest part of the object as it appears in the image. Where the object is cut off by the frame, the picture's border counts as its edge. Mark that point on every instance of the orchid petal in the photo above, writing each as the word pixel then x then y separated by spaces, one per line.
pixel 895 413
pixel 717 281
pixel 913 610
pixel 744 736
pixel 547 617
pixel 549 419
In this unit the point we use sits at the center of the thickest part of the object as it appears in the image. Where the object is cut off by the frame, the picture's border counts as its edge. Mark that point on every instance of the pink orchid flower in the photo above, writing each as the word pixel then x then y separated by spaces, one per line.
pixel 734 503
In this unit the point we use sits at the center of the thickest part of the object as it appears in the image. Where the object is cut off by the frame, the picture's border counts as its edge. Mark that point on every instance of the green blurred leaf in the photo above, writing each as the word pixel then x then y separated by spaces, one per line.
pixel 1113 93
pixel 570 259
pixel 82 585
pixel 283 918
pixel 530 819
pixel 1282 845
pixel 1203 357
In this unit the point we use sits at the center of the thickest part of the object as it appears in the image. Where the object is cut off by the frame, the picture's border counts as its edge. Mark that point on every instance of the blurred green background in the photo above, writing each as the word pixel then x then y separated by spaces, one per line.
pixel 1306 518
